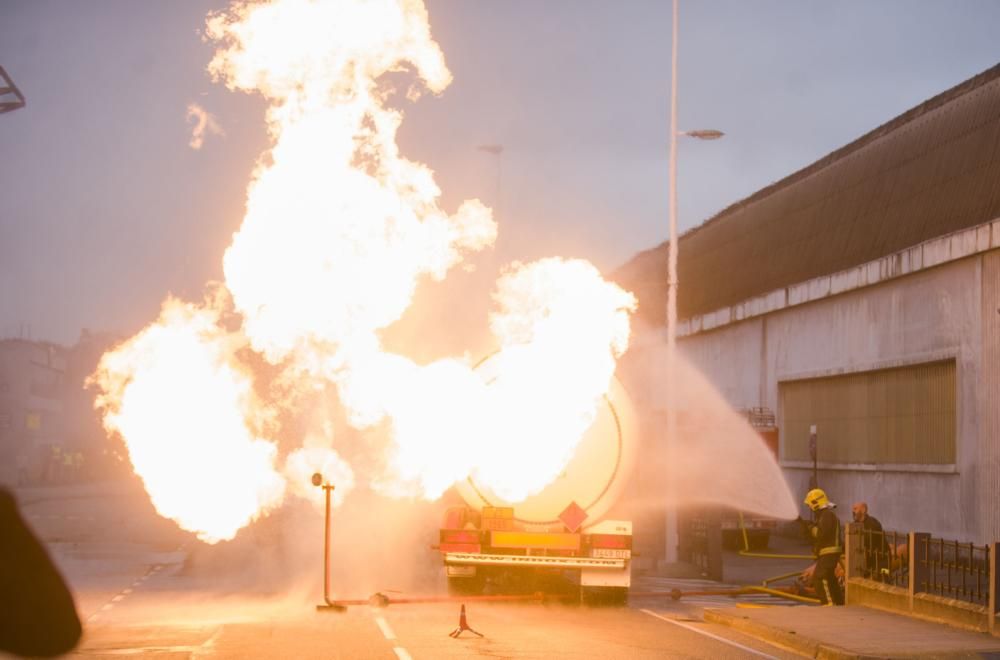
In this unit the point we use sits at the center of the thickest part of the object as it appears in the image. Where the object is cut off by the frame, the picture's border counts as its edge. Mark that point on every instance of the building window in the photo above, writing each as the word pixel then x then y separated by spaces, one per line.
pixel 904 416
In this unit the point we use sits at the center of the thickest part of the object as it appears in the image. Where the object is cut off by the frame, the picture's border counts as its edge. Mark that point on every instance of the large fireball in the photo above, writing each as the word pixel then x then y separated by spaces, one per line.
pixel 338 232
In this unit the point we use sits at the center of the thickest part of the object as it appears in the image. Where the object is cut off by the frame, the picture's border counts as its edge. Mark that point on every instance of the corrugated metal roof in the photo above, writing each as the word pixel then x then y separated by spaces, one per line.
pixel 933 170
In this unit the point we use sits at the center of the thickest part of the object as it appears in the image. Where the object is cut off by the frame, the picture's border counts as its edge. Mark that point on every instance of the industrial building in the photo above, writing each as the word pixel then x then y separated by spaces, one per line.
pixel 861 295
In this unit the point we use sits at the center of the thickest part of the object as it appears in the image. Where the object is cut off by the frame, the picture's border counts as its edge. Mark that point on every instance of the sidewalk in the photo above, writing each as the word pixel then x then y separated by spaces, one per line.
pixel 855 632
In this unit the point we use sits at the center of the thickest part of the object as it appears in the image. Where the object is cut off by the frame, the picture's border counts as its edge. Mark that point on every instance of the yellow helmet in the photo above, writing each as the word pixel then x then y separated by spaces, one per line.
pixel 816 499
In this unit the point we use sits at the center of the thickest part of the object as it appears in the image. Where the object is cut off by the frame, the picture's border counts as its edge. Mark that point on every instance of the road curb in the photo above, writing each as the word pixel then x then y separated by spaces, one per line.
pixel 788 639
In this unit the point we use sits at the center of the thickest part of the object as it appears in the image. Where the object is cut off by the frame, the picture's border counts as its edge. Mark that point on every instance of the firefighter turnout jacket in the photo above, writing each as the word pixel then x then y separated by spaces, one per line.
pixel 826 534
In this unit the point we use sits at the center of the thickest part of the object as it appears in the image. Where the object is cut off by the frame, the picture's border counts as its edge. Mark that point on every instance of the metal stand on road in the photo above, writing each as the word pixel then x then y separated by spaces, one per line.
pixel 463 626
pixel 328 605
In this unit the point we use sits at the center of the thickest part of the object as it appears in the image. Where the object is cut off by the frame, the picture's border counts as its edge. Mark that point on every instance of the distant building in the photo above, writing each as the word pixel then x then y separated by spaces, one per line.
pixel 45 407
pixel 83 423
pixel 862 295
pixel 31 405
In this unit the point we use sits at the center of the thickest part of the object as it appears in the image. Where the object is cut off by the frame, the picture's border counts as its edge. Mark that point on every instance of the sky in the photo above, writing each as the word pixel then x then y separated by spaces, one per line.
pixel 105 208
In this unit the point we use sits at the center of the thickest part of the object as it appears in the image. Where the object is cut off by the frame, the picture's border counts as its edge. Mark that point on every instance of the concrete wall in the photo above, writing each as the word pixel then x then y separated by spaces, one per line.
pixel 989 402
pixel 931 314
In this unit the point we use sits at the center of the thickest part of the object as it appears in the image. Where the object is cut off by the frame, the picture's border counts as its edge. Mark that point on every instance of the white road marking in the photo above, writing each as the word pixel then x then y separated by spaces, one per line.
pixel 401 653
pixel 208 646
pixel 708 634
pixel 384 627
pixel 123 593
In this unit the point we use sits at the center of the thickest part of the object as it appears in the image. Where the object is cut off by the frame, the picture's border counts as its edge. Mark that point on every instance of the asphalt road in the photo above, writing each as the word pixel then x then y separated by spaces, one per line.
pixel 141 596
pixel 149 623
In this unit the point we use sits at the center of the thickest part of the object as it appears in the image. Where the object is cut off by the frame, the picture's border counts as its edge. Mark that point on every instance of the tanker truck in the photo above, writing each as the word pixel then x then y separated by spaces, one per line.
pixel 564 531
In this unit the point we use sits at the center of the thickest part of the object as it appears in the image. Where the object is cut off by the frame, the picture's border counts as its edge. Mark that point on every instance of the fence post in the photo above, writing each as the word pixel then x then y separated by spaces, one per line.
pixel 919 570
pixel 713 544
pixel 994 585
pixel 684 537
pixel 854 555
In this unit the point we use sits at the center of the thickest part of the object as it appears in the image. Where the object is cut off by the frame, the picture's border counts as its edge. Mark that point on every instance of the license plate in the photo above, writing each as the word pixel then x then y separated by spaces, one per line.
pixel 461 571
pixel 610 553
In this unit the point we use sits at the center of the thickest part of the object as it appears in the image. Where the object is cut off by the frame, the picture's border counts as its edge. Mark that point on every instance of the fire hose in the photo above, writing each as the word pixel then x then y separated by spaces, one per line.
pixel 382 600
pixel 677 594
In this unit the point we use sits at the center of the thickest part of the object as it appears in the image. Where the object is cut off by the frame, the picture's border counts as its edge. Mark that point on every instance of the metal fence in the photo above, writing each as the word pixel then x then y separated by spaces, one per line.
pixel 700 541
pixel 921 563
pixel 885 557
pixel 952 569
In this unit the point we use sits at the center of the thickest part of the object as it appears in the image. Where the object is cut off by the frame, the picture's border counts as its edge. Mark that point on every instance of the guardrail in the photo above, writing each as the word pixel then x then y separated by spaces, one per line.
pixel 885 556
pixel 700 540
pixel 926 576
pixel 952 569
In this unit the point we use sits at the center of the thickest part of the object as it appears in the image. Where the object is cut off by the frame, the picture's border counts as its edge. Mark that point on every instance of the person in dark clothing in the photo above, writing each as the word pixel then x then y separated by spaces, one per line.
pixel 873 543
pixel 828 546
pixel 37 614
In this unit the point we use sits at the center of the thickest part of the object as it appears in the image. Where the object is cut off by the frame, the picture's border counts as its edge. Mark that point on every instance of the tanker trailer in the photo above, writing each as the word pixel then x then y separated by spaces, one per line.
pixel 565 529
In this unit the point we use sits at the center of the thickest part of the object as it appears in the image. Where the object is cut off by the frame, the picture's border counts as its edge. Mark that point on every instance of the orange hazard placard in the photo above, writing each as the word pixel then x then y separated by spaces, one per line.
pixel 550 541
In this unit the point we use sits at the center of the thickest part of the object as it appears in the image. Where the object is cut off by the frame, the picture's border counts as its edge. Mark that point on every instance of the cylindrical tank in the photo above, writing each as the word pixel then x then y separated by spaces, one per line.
pixel 594 477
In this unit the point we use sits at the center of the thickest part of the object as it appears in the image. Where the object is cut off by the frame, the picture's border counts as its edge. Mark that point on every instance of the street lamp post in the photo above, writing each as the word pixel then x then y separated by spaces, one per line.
pixel 702 134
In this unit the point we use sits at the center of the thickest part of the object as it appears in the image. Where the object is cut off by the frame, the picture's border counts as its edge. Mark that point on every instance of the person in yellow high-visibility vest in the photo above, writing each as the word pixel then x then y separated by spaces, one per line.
pixel 53 464
pixel 828 546
pixel 78 465
pixel 67 466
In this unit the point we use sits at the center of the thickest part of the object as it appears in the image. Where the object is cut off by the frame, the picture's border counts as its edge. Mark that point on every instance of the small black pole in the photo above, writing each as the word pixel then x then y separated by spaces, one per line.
pixel 328 605
pixel 813 450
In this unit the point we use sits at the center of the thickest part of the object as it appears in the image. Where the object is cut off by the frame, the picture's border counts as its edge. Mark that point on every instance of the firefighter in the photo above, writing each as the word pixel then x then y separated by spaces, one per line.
pixel 67 466
pixel 78 465
pixel 55 462
pixel 828 546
